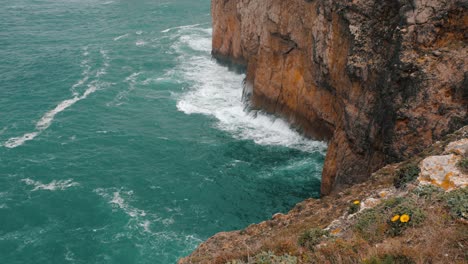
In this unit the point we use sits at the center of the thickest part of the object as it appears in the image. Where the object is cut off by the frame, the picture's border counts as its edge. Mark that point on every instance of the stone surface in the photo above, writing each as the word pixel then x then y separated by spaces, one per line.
pixel 370 203
pixel 380 80
pixel 459 147
pixel 442 171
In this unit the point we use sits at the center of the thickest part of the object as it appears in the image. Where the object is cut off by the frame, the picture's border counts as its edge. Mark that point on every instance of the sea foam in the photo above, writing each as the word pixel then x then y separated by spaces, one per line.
pixel 46 120
pixel 52 186
pixel 217 91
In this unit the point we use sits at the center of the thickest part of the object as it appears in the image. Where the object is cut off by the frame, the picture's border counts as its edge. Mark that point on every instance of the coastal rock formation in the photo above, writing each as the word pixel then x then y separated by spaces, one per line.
pixel 380 80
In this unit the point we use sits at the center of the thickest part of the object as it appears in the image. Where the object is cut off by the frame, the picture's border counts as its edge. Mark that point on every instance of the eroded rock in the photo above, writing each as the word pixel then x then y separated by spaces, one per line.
pixel 443 170
pixel 380 80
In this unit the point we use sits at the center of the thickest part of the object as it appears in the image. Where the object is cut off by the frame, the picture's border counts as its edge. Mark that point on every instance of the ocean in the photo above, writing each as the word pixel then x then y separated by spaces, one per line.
pixel 123 141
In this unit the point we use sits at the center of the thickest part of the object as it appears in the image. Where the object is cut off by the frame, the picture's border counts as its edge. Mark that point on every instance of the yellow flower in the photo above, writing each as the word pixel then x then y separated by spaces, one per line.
pixel 404 218
pixel 356 202
pixel 395 218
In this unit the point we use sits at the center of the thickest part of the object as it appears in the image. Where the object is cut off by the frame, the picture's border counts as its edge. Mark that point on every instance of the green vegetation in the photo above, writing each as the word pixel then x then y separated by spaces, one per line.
pixel 371 225
pixel 406 175
pixel 463 164
pixel 429 192
pixel 354 207
pixel 457 202
pixel 391 218
pixel 267 258
pixel 312 237
pixel 389 259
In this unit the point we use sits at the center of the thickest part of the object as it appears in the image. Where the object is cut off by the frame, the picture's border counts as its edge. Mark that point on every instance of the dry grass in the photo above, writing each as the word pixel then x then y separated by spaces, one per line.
pixel 439 237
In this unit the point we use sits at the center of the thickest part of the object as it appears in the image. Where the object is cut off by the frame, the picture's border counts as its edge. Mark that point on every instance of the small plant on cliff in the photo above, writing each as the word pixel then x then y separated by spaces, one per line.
pixel 354 207
pixel 391 218
pixel 398 223
pixel 267 258
pixel 312 237
pixel 389 259
pixel 405 175
pixel 405 214
pixel 270 258
pixel 429 192
pixel 370 225
pixel 457 201
pixel 463 165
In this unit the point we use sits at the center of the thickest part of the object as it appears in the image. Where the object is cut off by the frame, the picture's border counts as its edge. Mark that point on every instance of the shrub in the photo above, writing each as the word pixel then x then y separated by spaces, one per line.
pixel 429 192
pixel 374 224
pixel 405 175
pixel 270 258
pixel 457 201
pixel 267 258
pixel 371 225
pixel 391 203
pixel 405 213
pixel 389 259
pixel 354 207
pixel 409 207
pixel 463 164
pixel 311 237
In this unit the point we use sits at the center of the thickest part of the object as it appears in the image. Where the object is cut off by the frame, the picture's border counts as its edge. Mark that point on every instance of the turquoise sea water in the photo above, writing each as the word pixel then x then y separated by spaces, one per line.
pixel 121 141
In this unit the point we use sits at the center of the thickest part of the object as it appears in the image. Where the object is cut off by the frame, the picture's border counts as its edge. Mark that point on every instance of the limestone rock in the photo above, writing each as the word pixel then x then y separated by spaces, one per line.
pixel 459 147
pixel 442 171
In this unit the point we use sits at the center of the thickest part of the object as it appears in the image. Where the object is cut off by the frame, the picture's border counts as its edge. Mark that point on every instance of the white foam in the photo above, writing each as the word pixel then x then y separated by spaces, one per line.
pixel 139 32
pixel 69 255
pixel 140 43
pixel 52 186
pixel 139 219
pixel 121 37
pixel 47 119
pixel 18 141
pixel 179 27
pixel 195 43
pixel 122 95
pixel 118 201
pixel 217 92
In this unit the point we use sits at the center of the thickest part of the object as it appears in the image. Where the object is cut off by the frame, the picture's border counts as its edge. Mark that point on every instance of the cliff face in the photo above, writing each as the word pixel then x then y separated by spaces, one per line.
pixel 380 80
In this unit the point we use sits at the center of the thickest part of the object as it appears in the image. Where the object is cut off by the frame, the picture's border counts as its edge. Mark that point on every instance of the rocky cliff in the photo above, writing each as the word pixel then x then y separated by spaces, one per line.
pixel 380 80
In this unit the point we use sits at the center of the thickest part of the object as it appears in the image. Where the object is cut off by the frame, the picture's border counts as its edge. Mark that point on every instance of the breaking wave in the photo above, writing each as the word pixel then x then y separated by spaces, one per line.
pixel 217 92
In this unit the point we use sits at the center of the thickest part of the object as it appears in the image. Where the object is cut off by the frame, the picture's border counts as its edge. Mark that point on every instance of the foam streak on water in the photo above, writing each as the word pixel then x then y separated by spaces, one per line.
pixel 47 119
pixel 52 186
pixel 217 92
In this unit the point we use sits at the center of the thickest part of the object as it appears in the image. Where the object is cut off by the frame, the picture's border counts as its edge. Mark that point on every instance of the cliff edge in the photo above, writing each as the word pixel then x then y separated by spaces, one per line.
pixel 379 80
pixel 415 211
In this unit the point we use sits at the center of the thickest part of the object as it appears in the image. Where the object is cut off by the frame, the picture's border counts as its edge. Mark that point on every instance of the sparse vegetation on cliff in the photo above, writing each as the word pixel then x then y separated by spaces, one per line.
pixel 463 164
pixel 267 258
pixel 415 223
pixel 405 175
pixel 312 237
